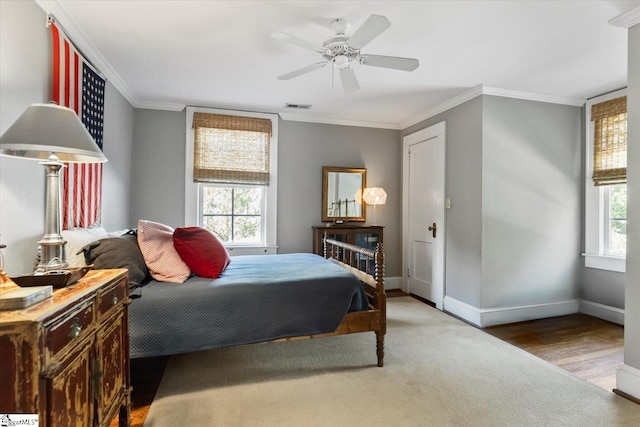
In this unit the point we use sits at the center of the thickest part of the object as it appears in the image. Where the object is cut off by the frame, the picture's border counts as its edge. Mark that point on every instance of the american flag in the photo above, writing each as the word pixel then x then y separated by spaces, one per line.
pixel 77 85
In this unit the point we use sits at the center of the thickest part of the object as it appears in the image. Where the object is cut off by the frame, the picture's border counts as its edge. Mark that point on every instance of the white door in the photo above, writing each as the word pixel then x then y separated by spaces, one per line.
pixel 424 204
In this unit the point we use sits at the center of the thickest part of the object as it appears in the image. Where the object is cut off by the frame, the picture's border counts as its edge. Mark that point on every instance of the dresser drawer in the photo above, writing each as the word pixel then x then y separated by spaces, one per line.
pixel 112 297
pixel 69 329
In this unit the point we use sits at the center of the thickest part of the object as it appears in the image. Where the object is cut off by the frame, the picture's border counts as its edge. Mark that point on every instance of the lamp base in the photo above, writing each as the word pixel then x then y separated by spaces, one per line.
pixel 51 254
pixel 52 246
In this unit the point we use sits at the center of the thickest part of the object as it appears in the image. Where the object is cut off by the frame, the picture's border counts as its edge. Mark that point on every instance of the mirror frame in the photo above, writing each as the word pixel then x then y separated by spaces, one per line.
pixel 326 170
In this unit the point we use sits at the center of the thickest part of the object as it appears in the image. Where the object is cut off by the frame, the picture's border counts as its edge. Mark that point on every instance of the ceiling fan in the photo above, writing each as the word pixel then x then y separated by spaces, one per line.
pixel 342 51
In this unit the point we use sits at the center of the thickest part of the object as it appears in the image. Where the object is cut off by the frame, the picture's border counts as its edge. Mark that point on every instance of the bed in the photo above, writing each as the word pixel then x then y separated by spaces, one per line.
pixel 264 298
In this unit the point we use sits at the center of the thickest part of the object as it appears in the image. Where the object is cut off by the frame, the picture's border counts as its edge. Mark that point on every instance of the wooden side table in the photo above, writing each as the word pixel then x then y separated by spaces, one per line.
pixel 67 357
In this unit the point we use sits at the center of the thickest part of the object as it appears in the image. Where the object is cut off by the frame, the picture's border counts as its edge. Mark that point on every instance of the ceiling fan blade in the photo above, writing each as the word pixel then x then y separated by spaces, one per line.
pixel 349 80
pixel 297 41
pixel 301 71
pixel 369 30
pixel 393 62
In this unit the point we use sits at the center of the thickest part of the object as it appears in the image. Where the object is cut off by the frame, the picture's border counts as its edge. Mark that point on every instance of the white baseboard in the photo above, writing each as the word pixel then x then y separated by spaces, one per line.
pixel 497 316
pixel 463 310
pixel 628 380
pixel 601 311
pixel 393 282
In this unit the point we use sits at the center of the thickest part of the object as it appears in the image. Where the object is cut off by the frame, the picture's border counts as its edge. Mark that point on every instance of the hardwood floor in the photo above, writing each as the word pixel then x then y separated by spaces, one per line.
pixel 588 347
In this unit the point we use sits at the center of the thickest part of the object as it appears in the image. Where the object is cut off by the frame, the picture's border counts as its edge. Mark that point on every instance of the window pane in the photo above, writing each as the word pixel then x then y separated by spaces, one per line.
pixel 248 201
pixel 247 229
pixel 216 200
pixel 234 214
pixel 218 225
pixel 618 237
pixel 618 209
pixel 618 219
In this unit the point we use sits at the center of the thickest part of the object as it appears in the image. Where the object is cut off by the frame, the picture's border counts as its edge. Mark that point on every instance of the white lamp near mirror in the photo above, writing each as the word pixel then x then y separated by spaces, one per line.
pixel 52 134
pixel 374 196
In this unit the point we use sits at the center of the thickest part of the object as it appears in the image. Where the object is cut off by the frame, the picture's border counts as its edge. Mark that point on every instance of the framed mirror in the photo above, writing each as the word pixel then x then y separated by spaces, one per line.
pixel 342 194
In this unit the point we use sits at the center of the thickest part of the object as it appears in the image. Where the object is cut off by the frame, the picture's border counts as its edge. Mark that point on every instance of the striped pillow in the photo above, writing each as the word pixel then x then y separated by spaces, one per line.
pixel 162 259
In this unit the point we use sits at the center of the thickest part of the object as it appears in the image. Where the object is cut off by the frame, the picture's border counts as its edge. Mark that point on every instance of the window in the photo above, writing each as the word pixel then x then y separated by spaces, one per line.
pixel 606 189
pixel 234 214
pixel 231 176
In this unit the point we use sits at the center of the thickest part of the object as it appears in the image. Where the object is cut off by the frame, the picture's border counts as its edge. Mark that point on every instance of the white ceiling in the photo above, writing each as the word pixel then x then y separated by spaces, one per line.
pixel 168 54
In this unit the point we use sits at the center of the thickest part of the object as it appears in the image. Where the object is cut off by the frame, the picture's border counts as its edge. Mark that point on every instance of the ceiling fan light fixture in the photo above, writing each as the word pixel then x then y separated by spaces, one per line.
pixel 341 61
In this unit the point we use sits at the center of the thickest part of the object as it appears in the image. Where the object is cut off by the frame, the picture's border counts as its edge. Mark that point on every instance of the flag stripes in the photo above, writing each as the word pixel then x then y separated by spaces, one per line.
pixel 77 85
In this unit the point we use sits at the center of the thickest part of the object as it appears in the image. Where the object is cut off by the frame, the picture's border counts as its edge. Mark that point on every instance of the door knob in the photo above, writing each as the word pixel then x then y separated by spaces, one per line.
pixel 433 229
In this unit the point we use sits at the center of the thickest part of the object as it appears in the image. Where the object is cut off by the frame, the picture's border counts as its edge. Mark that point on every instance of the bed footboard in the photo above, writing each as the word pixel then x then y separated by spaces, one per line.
pixel 368 266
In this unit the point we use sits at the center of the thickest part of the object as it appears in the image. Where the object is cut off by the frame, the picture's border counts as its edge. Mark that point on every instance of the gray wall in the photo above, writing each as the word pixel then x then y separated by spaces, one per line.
pixel 118 143
pixel 25 67
pixel 159 173
pixel 514 180
pixel 158 159
pixel 531 205
pixel 603 287
pixel 632 288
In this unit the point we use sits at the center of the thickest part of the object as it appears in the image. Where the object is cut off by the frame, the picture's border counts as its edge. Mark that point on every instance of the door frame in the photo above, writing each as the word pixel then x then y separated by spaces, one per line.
pixel 438 129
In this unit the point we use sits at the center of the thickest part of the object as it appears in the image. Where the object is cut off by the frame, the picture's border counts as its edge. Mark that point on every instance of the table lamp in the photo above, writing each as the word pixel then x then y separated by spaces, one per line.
pixel 52 134
pixel 374 196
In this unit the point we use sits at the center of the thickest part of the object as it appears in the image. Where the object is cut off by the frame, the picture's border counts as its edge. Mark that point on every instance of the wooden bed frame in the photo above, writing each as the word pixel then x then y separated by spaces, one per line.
pixel 368 266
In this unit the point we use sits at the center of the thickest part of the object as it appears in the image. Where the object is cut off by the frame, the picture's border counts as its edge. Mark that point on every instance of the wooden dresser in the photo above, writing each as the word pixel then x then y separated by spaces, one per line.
pixel 67 358
pixel 366 236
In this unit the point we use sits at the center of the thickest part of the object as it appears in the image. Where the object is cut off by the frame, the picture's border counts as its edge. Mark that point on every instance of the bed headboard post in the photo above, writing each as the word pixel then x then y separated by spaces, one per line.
pixel 379 274
pixel 324 244
pixel 381 301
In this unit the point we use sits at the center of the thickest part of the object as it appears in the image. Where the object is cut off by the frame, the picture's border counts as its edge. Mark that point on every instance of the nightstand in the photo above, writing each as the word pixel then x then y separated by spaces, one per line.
pixel 67 357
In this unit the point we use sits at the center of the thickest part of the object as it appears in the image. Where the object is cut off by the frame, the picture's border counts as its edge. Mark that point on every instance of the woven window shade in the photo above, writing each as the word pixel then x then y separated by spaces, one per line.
pixel 610 142
pixel 231 149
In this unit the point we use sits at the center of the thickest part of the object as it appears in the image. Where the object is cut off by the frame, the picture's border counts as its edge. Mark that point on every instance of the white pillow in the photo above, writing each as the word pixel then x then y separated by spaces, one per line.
pixel 77 238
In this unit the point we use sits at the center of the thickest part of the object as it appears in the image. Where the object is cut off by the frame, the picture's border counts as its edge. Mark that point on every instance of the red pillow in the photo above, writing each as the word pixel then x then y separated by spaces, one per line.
pixel 201 251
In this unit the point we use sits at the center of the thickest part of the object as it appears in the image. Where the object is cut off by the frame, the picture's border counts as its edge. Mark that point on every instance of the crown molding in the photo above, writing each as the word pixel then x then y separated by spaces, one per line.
pixel 156 105
pixel 627 20
pixel 530 96
pixel 488 90
pixel 357 123
pixel 87 48
pixel 447 105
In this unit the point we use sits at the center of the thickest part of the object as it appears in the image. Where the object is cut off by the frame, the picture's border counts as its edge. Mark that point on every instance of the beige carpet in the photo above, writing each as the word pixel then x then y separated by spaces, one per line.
pixel 438 372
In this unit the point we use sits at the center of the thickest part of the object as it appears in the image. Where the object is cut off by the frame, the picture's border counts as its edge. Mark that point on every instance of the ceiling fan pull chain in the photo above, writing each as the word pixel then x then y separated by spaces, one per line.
pixel 333 72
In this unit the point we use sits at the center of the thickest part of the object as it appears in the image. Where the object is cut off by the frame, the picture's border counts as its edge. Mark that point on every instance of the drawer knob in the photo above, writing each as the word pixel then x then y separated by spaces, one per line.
pixel 75 328
pixel 114 299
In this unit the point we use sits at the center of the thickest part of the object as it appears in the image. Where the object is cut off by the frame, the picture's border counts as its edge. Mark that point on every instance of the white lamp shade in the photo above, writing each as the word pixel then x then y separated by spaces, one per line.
pixel 358 196
pixel 44 129
pixel 374 196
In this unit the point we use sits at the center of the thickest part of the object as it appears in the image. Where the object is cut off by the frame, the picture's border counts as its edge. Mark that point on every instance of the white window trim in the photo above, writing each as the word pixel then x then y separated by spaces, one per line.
pixel 191 189
pixel 594 255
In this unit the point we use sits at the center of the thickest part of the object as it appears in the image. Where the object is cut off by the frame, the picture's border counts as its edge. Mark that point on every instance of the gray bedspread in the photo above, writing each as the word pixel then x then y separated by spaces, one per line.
pixel 257 298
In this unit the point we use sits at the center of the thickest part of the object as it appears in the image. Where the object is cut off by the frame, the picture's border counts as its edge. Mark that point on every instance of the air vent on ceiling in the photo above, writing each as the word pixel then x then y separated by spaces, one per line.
pixel 299 106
